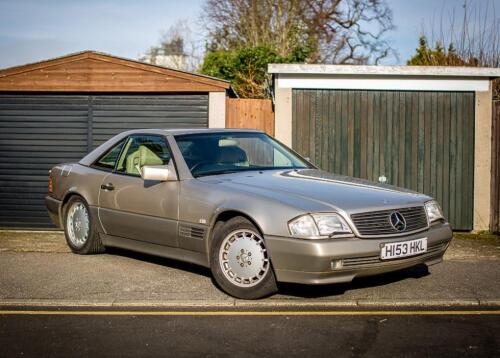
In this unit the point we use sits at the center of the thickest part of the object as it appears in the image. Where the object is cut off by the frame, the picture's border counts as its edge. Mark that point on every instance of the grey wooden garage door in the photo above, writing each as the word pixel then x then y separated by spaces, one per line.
pixel 423 141
pixel 38 131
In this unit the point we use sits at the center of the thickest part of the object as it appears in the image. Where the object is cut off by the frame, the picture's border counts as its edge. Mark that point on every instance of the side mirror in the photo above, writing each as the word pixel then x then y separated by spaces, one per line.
pixel 158 173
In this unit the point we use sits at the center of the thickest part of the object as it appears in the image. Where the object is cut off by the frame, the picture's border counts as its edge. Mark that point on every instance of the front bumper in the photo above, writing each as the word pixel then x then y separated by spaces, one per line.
pixel 54 209
pixel 341 260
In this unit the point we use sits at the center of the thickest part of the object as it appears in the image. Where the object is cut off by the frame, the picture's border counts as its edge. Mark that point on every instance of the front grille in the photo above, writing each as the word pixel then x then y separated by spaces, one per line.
pixel 378 223
pixel 371 261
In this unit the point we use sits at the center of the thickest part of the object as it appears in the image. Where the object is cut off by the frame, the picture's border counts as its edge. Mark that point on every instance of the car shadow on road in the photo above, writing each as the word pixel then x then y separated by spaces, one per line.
pixel 162 261
pixel 318 291
pixel 287 289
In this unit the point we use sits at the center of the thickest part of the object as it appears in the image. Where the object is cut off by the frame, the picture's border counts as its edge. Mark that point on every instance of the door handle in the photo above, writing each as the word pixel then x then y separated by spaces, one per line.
pixel 108 186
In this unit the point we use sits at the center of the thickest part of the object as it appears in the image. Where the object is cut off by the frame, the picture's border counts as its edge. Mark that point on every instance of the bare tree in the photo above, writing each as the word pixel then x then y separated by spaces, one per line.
pixel 350 31
pixel 335 31
pixel 472 32
pixel 177 49
pixel 233 24
pixel 469 36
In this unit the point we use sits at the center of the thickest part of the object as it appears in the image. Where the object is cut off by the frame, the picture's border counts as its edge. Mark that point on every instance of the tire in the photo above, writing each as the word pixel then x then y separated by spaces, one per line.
pixel 236 246
pixel 81 233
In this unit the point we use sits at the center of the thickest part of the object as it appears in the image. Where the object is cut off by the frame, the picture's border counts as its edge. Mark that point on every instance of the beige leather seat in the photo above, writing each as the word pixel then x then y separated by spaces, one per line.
pixel 142 156
pixel 232 155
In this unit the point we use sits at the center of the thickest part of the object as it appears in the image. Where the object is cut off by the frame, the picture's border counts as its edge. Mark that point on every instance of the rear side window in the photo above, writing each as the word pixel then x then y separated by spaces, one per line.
pixel 109 159
pixel 143 150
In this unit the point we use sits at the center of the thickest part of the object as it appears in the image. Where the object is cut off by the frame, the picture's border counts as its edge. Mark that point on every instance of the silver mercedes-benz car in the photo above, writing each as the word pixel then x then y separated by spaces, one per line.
pixel 244 205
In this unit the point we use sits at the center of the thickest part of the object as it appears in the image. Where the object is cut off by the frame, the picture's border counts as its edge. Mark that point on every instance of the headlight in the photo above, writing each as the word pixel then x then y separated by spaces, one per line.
pixel 314 225
pixel 433 211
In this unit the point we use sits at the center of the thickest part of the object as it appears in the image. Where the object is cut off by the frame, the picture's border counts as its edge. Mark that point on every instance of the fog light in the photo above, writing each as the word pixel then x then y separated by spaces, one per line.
pixel 336 264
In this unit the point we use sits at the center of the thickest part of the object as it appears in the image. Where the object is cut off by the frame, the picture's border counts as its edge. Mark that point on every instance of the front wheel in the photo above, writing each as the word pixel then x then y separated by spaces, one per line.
pixel 240 262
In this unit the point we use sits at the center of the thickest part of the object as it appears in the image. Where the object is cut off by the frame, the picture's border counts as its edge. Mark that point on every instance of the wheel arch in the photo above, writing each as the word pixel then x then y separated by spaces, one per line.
pixel 224 215
pixel 68 195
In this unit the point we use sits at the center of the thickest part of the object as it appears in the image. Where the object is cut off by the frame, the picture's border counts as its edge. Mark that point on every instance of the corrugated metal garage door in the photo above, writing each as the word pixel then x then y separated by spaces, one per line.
pixel 419 140
pixel 38 131
pixel 115 114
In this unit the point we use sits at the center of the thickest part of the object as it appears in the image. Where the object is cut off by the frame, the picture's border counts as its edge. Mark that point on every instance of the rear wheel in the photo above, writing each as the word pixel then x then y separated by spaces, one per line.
pixel 240 262
pixel 79 228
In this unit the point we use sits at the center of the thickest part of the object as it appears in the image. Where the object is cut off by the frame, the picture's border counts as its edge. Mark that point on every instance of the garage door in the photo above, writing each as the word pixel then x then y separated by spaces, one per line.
pixel 423 141
pixel 39 131
pixel 114 114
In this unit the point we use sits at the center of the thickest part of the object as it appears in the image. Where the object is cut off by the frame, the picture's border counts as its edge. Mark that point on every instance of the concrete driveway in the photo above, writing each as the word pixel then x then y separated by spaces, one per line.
pixel 38 269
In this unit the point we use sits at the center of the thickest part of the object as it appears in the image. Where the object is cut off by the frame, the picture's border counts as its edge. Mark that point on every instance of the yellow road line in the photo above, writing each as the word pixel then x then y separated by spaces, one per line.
pixel 248 313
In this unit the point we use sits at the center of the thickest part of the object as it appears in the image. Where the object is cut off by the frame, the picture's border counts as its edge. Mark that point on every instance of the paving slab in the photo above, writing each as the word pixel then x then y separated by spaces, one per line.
pixel 463 247
pixel 32 241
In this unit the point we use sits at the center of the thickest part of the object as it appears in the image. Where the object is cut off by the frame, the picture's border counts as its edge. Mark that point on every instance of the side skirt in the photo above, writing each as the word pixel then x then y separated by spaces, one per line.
pixel 175 253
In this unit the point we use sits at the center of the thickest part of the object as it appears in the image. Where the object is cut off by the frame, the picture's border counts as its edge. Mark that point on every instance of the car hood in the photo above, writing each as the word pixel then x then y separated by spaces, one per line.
pixel 312 188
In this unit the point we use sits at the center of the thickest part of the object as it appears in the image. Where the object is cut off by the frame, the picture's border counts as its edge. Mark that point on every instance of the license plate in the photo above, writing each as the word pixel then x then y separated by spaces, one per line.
pixel 395 250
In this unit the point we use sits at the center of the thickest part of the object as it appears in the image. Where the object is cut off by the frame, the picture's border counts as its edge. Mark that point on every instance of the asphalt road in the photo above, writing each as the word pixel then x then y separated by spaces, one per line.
pixel 121 277
pixel 250 334
pixel 127 304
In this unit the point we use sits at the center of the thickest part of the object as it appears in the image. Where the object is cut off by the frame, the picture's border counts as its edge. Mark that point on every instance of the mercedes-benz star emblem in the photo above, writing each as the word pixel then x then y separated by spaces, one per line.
pixel 398 221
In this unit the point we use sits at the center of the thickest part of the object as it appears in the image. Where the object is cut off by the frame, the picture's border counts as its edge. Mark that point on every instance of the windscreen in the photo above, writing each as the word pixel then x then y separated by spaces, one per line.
pixel 221 153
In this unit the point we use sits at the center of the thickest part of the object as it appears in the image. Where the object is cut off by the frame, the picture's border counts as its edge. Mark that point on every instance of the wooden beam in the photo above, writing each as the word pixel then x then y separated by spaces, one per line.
pixel 90 71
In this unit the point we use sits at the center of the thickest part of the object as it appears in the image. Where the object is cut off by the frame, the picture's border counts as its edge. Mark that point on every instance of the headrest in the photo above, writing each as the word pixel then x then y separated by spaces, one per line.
pixel 148 157
pixel 231 155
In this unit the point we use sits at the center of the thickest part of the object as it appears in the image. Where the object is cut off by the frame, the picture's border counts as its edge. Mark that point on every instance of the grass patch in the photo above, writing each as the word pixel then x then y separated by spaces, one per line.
pixel 483 235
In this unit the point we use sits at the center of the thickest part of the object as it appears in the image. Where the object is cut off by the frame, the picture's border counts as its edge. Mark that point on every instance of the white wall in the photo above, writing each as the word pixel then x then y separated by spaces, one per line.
pixel 482 159
pixel 382 83
pixel 217 110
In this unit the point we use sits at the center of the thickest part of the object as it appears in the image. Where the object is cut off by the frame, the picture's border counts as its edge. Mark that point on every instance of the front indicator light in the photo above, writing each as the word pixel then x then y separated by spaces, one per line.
pixel 433 211
pixel 303 226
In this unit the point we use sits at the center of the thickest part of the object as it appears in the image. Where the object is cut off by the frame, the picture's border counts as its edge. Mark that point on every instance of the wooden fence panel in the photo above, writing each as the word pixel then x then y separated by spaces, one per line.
pixel 495 169
pixel 250 113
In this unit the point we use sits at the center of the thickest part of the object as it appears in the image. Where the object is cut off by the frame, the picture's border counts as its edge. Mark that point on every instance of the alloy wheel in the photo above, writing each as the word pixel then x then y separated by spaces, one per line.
pixel 78 224
pixel 243 258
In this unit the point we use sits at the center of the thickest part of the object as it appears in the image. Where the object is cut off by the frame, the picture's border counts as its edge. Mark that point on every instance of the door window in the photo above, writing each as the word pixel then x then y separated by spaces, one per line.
pixel 143 150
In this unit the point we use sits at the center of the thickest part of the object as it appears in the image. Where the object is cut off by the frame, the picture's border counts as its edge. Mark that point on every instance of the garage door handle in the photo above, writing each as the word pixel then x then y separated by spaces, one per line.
pixel 108 186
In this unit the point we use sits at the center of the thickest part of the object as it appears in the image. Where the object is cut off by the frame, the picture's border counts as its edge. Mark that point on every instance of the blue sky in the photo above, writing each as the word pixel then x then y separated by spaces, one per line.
pixel 33 30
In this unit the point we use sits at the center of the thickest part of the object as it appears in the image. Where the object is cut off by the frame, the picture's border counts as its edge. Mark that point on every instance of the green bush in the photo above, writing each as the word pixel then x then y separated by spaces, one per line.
pixel 246 68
